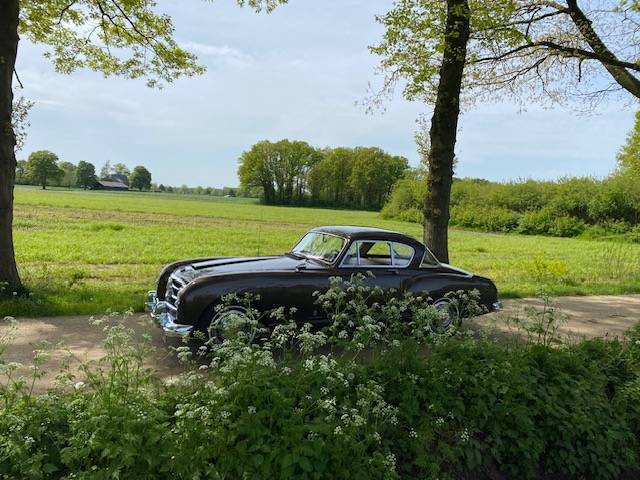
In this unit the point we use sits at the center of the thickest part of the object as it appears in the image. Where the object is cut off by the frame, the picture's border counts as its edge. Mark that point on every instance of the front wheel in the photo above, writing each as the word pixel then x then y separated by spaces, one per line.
pixel 233 322
pixel 449 315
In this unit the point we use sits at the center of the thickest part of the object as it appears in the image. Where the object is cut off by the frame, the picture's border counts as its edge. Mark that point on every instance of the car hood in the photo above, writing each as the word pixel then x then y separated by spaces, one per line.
pixel 238 265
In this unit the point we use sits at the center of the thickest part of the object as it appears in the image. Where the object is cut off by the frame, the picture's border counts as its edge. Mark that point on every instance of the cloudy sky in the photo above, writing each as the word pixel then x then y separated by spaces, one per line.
pixel 300 73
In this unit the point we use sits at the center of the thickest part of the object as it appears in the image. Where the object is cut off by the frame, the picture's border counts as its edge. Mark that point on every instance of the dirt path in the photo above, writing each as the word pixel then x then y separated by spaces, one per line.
pixel 593 316
pixel 586 317
pixel 76 339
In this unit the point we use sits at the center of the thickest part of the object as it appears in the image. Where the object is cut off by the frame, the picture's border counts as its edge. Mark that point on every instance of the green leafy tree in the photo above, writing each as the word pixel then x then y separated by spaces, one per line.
pixel 106 171
pixel 629 154
pixel 355 177
pixel 70 174
pixel 42 168
pixel 373 174
pixel 446 51
pixel 281 169
pixel 121 169
pixel 140 178
pixel 21 172
pixel 127 38
pixel 20 121
pixel 86 174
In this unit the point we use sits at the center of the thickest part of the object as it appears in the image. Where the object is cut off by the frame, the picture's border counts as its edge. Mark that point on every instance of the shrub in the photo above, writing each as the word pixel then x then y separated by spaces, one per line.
pixel 487 219
pixel 564 208
pixel 536 222
pixel 566 227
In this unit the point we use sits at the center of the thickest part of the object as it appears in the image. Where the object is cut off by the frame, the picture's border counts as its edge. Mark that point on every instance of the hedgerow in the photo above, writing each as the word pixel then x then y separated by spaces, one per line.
pixel 382 393
pixel 567 207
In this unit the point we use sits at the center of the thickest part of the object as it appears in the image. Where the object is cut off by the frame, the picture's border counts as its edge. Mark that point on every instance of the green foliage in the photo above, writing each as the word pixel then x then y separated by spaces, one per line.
pixel 42 168
pixel 377 395
pixel 281 169
pixel 629 154
pixel 121 169
pixel 22 177
pixel 567 207
pixel 292 173
pixel 486 219
pixel 86 174
pixel 69 177
pixel 125 37
pixel 140 178
pixel 20 120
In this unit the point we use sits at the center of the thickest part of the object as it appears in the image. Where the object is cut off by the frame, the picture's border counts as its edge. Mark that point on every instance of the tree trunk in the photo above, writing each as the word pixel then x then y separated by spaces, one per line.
pixel 444 129
pixel 8 51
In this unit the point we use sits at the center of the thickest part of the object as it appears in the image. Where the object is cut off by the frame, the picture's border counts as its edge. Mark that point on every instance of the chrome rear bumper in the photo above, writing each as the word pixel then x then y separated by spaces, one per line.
pixel 163 318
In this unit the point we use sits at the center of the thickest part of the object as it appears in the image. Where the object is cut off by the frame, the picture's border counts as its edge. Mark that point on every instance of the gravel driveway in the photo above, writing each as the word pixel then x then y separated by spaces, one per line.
pixel 586 317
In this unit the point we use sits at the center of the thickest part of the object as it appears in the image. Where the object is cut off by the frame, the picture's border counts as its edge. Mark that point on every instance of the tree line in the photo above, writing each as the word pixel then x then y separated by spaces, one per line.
pixel 294 173
pixel 44 168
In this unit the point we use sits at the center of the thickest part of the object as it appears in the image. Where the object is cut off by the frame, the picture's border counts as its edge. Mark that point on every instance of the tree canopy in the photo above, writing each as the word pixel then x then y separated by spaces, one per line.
pixel 292 172
pixel 86 174
pixel 140 178
pixel 629 154
pixel 42 167
pixel 550 50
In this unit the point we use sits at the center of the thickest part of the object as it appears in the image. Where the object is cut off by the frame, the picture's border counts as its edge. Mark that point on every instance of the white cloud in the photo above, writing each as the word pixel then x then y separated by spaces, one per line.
pixel 219 52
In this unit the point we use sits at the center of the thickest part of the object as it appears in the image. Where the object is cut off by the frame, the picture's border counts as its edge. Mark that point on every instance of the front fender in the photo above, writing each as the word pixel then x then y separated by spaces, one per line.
pixel 201 294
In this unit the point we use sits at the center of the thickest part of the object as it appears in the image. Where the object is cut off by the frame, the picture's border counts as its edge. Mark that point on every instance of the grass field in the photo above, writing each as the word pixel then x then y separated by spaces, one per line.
pixel 87 252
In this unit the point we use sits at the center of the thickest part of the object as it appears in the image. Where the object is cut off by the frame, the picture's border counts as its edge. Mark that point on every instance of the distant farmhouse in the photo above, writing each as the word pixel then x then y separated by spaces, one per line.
pixel 115 181
pixel 119 177
pixel 109 185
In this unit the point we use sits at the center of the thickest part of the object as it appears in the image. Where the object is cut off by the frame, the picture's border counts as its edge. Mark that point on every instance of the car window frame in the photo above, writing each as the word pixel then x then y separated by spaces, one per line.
pixel 429 253
pixel 339 255
pixel 391 243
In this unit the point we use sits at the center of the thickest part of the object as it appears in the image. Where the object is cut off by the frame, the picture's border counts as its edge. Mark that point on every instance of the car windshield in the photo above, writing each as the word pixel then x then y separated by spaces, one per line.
pixel 320 246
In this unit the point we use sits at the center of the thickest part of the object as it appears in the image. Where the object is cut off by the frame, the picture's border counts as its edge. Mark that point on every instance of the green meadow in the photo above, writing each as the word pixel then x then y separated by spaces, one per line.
pixel 84 252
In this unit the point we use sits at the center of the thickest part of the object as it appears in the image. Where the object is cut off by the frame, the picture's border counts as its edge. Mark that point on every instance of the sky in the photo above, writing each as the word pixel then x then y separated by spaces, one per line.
pixel 301 73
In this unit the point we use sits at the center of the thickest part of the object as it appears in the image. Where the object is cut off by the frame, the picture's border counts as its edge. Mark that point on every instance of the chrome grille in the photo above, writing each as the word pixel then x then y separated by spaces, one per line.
pixel 174 285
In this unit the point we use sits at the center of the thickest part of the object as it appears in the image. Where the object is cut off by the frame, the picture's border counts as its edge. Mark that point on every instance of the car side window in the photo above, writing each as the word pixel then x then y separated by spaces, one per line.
pixel 402 254
pixel 371 253
pixel 365 253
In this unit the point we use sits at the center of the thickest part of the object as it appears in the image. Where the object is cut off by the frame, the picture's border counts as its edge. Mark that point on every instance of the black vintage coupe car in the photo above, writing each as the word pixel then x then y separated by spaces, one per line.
pixel 189 290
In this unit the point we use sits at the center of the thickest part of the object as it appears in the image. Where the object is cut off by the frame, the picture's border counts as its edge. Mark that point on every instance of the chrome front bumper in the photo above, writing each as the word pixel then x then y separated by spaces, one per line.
pixel 161 315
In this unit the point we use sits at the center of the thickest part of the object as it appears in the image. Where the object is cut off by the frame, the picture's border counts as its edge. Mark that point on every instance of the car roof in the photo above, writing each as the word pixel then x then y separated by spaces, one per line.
pixel 358 232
